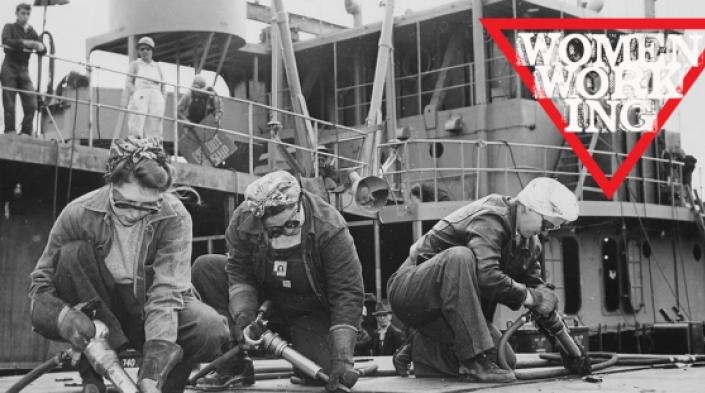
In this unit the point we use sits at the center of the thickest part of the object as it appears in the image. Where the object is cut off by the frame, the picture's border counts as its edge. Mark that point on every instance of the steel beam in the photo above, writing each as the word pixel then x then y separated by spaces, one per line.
pixel 262 13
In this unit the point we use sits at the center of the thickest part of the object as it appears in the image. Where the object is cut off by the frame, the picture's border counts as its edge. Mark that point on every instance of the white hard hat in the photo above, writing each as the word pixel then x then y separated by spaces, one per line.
pixel 549 198
pixel 146 41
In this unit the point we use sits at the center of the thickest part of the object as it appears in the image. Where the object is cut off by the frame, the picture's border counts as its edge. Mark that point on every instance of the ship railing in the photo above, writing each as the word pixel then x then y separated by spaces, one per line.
pixel 412 95
pixel 471 169
pixel 323 132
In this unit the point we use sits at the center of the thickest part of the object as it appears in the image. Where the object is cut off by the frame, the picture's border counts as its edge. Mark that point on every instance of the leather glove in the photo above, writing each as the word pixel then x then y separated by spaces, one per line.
pixel 160 357
pixel 342 371
pixel 545 300
pixel 243 320
pixel 76 328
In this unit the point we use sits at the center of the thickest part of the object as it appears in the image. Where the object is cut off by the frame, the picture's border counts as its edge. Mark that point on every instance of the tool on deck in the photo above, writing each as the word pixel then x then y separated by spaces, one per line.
pixel 99 354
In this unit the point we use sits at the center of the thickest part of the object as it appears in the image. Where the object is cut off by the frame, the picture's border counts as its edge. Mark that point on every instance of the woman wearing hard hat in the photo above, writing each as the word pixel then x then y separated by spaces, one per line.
pixel 481 254
pixel 146 92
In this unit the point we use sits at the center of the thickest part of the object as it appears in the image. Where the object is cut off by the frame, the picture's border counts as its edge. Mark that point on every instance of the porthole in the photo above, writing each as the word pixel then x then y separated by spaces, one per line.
pixel 436 150
pixel 697 252
pixel 646 249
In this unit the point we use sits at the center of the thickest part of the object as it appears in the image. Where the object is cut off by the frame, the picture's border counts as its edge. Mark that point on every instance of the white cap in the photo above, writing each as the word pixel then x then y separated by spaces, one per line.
pixel 146 41
pixel 549 198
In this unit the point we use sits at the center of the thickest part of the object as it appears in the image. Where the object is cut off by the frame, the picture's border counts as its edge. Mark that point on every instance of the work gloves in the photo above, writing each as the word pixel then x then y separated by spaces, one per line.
pixel 545 300
pixel 160 357
pixel 342 371
pixel 76 328
pixel 54 319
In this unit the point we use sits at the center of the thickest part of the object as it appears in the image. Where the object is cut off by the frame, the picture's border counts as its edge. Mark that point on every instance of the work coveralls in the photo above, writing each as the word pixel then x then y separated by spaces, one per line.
pixel 313 287
pixel 148 98
pixel 455 275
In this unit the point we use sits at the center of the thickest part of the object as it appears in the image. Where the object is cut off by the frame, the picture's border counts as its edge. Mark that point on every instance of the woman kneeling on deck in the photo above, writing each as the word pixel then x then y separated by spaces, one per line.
pixel 484 253
pixel 128 244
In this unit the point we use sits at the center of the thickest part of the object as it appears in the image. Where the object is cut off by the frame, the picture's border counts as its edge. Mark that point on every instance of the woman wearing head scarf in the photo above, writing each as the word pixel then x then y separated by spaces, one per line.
pixel 128 245
pixel 289 246
pixel 146 91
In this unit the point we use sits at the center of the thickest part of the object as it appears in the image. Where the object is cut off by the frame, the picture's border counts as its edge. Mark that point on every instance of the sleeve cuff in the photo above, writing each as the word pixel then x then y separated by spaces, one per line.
pixel 342 326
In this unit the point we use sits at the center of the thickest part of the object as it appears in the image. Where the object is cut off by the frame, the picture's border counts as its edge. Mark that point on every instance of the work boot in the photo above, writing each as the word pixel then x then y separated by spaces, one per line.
pixel 482 369
pixel 306 381
pixel 402 360
pixel 242 367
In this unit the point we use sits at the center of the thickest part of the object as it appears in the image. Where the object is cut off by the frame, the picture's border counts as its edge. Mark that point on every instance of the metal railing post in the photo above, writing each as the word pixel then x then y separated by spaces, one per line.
pixel 250 141
pixel 91 108
pixel 477 171
pixel 462 171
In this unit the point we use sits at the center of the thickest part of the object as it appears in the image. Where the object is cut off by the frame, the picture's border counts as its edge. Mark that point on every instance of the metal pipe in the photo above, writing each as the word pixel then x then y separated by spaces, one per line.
pixel 104 360
pixel 383 54
pixel 292 73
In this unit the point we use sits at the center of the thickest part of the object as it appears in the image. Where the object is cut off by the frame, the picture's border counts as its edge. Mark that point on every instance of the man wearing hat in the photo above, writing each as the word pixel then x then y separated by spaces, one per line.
pixel 289 246
pixel 387 339
pixel 200 101
pixel 484 253
pixel 146 92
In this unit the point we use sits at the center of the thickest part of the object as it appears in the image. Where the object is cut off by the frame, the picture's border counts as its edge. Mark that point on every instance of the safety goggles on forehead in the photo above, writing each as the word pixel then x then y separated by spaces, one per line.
pixel 289 224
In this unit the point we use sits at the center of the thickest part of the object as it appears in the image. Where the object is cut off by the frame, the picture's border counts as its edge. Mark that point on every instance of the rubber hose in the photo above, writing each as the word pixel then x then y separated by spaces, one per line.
pixel 549 373
pixel 40 370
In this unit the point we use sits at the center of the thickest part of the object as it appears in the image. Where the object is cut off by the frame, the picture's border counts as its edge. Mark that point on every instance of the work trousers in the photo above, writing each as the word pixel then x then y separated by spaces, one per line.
pixel 149 102
pixel 81 275
pixel 17 77
pixel 441 300
pixel 308 332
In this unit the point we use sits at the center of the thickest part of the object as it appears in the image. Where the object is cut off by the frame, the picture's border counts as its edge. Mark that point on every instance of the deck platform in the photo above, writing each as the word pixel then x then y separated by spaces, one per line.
pixel 92 159
pixel 614 380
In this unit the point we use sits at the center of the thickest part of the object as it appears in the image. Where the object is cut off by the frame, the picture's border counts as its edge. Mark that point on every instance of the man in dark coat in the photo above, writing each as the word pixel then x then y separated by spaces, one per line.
pixel 19 39
pixel 387 338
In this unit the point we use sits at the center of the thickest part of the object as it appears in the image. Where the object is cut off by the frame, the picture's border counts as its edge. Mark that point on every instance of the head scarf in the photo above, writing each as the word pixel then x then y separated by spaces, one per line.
pixel 134 150
pixel 275 189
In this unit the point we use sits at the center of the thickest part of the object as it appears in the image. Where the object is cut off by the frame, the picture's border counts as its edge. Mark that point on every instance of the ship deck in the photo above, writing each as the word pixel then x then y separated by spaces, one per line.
pixel 618 379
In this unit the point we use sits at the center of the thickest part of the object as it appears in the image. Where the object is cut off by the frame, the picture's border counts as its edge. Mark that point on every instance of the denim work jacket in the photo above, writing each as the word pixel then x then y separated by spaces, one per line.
pixel 332 266
pixel 504 260
pixel 162 277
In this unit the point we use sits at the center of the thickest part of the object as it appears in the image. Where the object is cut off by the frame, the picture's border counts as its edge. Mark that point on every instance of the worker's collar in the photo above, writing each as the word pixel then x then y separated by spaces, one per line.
pixel 513 205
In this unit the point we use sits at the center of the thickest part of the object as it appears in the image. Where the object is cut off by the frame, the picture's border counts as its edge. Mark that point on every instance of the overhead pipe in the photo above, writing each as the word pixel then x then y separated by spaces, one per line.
pixel 298 101
pixel 369 190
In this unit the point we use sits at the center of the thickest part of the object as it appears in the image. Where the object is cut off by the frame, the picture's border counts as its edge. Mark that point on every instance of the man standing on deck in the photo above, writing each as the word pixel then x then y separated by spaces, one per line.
pixel 19 39
pixel 481 254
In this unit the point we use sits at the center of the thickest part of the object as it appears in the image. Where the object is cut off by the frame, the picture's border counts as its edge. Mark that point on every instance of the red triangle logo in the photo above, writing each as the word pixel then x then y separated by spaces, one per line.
pixel 495 28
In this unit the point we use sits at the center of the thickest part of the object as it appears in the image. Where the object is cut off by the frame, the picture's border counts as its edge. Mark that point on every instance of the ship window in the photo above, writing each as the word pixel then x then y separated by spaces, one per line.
pixel 697 252
pixel 571 275
pixel 436 150
pixel 646 249
pixel 553 266
pixel 562 269
pixel 636 282
pixel 610 277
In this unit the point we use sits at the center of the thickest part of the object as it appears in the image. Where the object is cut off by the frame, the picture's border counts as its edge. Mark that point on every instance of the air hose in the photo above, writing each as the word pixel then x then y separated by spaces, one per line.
pixel 610 359
pixel 597 360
